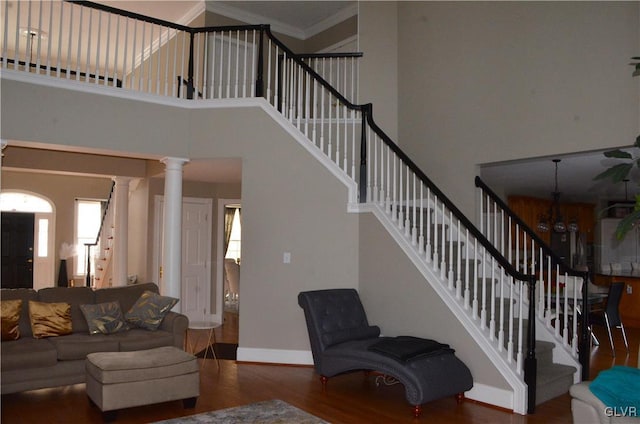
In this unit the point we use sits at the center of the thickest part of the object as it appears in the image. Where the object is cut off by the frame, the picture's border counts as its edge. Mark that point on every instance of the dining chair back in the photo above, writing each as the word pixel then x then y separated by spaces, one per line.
pixel 609 317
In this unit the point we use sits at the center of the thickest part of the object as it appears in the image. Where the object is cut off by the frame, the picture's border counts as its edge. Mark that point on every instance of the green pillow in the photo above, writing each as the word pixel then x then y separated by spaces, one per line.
pixel 149 310
pixel 104 318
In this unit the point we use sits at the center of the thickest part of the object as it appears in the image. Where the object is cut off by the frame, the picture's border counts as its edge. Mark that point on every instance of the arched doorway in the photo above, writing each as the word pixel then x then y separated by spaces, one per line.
pixel 28 240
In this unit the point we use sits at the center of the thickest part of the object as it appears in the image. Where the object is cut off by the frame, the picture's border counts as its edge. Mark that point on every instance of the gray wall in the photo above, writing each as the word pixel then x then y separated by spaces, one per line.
pixel 290 202
pixel 398 299
pixel 491 81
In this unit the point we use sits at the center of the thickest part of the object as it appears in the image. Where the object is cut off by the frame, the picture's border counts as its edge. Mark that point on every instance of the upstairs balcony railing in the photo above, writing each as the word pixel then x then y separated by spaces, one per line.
pixel 95 44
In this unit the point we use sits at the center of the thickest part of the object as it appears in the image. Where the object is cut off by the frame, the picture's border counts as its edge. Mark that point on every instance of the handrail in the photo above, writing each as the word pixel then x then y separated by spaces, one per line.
pixel 584 342
pixel 557 260
pixel 329 55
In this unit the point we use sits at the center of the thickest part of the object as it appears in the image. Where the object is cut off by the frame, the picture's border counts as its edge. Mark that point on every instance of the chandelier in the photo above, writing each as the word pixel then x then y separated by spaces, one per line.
pixel 554 219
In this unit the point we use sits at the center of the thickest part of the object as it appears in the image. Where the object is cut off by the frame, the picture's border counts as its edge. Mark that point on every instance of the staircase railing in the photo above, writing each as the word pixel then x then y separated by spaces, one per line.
pixel 559 284
pixel 101 238
pixel 151 56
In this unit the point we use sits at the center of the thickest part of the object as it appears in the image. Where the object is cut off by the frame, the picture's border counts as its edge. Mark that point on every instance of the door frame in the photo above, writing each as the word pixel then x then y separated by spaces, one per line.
pixel 158 231
pixel 222 203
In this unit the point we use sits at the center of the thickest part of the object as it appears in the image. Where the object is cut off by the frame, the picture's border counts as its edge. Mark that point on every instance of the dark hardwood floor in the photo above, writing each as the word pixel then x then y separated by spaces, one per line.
pixel 351 398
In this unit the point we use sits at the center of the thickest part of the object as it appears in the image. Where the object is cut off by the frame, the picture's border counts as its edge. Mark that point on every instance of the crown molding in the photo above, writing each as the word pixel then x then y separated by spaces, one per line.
pixel 342 15
pixel 192 13
pixel 281 27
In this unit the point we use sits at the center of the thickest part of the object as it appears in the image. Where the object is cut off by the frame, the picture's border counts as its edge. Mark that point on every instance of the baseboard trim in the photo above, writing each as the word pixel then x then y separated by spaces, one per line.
pixel 490 395
pixel 274 356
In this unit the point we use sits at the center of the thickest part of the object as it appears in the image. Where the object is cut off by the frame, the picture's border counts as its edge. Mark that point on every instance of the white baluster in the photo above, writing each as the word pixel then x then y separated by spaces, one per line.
pixel 49 39
pixel 483 281
pixel 421 237
pixel 501 322
pixel 414 234
pixel 97 78
pixel 79 44
pixel 520 333
pixel 38 61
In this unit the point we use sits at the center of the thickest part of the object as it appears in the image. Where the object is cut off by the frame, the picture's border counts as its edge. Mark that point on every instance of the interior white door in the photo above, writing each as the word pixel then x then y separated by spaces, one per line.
pixel 196 244
pixel 196 255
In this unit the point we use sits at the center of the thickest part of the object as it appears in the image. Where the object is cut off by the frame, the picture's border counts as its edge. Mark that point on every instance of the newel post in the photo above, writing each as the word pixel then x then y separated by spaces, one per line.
pixel 530 362
pixel 190 88
pixel 259 73
pixel 367 109
pixel 584 344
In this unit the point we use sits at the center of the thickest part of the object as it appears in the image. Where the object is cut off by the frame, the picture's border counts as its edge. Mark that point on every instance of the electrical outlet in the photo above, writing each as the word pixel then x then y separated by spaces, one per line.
pixel 286 258
pixel 629 289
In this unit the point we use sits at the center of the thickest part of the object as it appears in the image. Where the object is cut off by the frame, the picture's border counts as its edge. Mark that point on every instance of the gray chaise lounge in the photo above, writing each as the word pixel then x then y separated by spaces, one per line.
pixel 343 341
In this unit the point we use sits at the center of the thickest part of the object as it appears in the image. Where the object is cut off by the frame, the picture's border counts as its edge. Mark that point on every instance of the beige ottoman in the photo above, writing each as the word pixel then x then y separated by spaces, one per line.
pixel 117 380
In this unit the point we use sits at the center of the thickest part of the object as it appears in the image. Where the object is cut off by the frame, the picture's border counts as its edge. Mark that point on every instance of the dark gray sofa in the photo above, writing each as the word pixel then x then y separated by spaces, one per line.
pixel 29 363
pixel 343 341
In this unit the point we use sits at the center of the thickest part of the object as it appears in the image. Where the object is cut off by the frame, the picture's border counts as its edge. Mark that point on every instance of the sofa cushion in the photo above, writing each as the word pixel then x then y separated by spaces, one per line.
pixel 104 318
pixel 28 353
pixel 127 295
pixel 139 339
pixel 50 319
pixel 10 318
pixel 78 346
pixel 149 310
pixel 75 296
pixel 25 295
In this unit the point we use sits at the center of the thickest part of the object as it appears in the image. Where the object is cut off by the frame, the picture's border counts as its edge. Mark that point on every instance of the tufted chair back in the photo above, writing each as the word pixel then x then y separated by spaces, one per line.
pixel 334 316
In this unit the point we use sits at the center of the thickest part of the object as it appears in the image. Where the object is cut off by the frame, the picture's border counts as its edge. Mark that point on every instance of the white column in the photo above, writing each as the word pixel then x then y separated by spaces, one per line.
pixel 120 254
pixel 171 284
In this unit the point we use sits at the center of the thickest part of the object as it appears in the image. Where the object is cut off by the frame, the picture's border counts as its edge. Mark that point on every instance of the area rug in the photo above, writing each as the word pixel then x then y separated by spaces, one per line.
pixel 268 412
pixel 222 350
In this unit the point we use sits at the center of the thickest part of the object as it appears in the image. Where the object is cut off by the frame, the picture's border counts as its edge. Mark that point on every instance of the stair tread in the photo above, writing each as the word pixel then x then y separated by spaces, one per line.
pixel 552 372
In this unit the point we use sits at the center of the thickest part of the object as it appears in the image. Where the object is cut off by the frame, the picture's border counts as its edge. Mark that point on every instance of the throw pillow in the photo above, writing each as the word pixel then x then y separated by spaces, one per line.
pixel 104 318
pixel 149 310
pixel 10 318
pixel 49 319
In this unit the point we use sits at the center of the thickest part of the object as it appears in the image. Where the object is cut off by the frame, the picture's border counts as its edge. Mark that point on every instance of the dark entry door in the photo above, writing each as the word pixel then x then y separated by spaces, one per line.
pixel 17 249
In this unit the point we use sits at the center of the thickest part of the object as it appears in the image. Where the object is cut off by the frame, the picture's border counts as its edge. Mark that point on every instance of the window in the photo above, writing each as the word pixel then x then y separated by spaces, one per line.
pixel 88 219
pixel 43 238
pixel 233 251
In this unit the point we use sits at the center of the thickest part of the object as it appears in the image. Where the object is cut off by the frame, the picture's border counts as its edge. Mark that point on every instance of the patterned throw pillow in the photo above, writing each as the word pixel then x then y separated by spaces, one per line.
pixel 149 310
pixel 49 319
pixel 104 318
pixel 10 318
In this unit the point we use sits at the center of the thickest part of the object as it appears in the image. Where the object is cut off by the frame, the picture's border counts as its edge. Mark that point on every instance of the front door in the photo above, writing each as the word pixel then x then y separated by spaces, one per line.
pixel 17 249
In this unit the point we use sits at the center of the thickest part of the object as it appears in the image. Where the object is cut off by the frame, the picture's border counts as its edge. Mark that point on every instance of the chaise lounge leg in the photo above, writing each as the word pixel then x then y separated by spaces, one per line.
pixel 109 416
pixel 417 411
pixel 189 403
pixel 460 397
pixel 324 380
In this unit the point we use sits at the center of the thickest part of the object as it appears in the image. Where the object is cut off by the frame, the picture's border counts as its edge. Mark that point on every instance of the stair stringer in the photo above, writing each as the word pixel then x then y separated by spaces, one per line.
pixel 499 357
